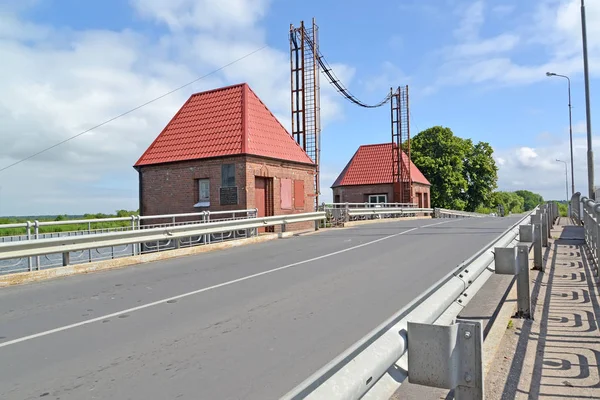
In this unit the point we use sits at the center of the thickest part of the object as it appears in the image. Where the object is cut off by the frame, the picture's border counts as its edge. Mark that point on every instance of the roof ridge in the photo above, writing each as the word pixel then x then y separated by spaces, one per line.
pixel 219 89
pixel 375 144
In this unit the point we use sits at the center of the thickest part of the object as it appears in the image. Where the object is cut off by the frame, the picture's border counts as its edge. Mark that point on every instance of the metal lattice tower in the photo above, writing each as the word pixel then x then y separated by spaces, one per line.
pixel 401 145
pixel 305 90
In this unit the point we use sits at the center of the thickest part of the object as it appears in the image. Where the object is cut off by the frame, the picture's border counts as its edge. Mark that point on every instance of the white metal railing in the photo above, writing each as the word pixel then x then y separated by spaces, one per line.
pixel 340 213
pixel 32 229
pixel 590 219
pixel 445 213
pixel 375 366
pixel 35 254
pixel 354 212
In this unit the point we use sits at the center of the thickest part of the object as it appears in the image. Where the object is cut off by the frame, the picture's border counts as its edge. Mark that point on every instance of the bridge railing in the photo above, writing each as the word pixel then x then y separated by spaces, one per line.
pixel 68 249
pixel 72 227
pixel 424 341
pixel 93 227
pixel 445 213
pixel 340 213
pixel 590 219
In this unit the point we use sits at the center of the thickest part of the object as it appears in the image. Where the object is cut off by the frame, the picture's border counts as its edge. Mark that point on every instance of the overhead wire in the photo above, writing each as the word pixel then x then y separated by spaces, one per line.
pixel 335 82
pixel 130 111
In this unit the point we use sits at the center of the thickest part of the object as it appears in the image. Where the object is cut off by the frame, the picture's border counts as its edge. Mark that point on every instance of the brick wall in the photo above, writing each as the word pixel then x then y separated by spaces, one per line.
pixel 278 170
pixel 360 193
pixel 172 188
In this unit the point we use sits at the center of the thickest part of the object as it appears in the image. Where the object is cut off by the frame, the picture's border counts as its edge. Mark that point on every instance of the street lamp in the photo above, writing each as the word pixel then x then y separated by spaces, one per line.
pixel 586 75
pixel 566 179
pixel 570 129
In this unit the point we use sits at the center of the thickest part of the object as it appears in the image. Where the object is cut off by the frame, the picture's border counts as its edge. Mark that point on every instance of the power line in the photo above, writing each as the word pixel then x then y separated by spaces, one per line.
pixel 131 110
pixel 414 122
pixel 333 79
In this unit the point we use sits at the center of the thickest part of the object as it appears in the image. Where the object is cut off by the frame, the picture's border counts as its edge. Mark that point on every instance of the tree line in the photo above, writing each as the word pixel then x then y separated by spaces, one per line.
pixel 463 174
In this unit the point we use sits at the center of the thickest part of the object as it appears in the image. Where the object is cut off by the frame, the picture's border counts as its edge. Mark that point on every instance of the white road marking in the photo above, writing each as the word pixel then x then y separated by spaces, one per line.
pixel 206 289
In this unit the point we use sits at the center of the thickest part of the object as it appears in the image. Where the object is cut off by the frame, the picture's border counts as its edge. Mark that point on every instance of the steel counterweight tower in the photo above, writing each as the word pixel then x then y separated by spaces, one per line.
pixel 305 94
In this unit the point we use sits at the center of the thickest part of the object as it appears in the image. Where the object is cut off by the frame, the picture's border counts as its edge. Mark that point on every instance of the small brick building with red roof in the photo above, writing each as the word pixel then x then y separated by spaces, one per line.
pixel 368 177
pixel 224 150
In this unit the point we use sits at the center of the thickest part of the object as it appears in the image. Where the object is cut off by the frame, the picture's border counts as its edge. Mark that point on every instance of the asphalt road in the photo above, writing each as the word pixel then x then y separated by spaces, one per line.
pixel 245 323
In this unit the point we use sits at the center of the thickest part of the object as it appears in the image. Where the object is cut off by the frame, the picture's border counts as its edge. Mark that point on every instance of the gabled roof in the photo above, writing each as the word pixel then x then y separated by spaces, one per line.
pixel 223 122
pixel 372 165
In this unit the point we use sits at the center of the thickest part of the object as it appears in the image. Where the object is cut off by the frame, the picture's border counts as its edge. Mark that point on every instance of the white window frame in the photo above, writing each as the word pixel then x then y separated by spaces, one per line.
pixel 203 201
pixel 377 196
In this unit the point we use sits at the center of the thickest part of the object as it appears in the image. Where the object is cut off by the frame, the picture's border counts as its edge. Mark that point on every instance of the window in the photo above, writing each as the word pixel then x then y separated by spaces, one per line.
pixel 378 198
pixel 203 187
pixel 336 198
pixel 228 175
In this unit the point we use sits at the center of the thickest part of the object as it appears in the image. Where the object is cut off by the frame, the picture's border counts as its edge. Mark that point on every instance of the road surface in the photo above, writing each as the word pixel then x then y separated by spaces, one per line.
pixel 245 323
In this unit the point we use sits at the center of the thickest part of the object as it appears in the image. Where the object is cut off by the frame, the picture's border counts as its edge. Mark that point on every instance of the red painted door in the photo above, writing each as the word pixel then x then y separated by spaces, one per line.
pixel 260 188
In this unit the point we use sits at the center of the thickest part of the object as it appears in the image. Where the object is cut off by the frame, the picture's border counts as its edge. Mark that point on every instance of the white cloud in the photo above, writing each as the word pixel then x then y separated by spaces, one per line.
pixel 553 29
pixel 472 18
pixel 203 14
pixel 536 168
pixel 63 81
pixel 389 76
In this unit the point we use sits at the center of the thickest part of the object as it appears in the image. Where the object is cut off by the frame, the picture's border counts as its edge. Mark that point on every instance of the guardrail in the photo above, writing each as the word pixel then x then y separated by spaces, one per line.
pixel 175 235
pixel 340 213
pixel 354 212
pixel 445 213
pixel 590 217
pixel 423 341
pixel 32 229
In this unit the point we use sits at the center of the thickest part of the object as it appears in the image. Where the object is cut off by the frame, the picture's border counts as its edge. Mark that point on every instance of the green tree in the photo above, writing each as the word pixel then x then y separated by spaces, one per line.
pixel 481 173
pixel 531 200
pixel 509 200
pixel 462 175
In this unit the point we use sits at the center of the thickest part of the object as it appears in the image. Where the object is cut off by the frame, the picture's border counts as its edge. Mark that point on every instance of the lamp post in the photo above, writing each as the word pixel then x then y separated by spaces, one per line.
pixel 586 75
pixel 566 179
pixel 570 128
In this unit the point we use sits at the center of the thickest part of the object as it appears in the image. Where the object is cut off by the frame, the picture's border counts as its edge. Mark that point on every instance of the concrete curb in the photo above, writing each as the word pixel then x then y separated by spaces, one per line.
pixel 22 278
pixel 491 344
pixel 499 327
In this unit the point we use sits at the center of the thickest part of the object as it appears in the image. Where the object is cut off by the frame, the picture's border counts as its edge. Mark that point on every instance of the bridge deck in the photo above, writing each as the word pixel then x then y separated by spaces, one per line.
pixel 249 322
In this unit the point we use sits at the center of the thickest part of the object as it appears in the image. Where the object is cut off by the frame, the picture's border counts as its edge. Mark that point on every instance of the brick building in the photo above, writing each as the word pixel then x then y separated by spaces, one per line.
pixel 368 178
pixel 224 150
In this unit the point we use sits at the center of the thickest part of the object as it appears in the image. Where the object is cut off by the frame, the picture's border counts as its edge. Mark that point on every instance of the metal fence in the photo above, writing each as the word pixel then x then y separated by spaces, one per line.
pixel 424 341
pixel 87 227
pixel 340 213
pixel 590 219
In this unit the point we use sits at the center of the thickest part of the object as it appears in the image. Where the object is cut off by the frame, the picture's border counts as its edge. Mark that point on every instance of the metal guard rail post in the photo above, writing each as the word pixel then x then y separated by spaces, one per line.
pixel 66 244
pixel 376 365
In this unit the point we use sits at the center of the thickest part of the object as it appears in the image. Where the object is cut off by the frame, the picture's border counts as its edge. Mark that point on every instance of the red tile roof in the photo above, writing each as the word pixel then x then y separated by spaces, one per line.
pixel 372 165
pixel 222 122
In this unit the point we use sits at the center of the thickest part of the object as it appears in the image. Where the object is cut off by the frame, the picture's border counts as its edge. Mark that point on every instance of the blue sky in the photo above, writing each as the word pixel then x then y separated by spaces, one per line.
pixel 477 67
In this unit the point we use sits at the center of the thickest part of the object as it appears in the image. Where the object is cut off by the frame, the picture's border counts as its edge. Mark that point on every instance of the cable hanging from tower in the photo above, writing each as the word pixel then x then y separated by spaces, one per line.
pixel 335 82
